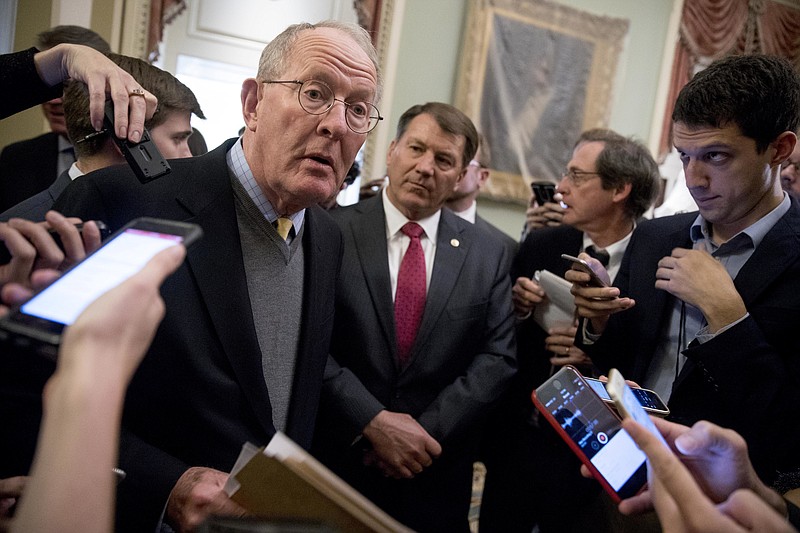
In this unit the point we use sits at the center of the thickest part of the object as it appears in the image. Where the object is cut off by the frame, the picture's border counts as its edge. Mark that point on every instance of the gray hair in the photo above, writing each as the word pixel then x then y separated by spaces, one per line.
pixel 276 54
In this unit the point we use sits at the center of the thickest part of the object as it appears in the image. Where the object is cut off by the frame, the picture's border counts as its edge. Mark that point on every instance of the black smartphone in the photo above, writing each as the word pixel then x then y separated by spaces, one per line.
pixel 143 157
pixel 40 322
pixel 648 399
pixel 583 266
pixel 543 191
pixel 593 432
pixel 104 232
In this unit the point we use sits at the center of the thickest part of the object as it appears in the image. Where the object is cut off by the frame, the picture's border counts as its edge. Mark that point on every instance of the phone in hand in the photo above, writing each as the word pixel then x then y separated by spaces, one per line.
pixel 628 405
pixel 583 266
pixel 40 322
pixel 593 432
pixel 648 399
pixel 543 191
pixel 143 157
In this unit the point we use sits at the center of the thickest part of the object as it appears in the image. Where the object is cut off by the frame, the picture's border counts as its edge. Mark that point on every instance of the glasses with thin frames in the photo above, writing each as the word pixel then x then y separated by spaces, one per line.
pixel 316 98
pixel 578 177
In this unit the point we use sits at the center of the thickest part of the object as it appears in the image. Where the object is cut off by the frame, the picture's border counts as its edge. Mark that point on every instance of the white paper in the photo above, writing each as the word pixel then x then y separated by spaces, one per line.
pixel 558 309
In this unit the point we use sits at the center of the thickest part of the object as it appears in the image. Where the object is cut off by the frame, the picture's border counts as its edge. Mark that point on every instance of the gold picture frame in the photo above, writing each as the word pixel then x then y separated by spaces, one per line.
pixel 533 75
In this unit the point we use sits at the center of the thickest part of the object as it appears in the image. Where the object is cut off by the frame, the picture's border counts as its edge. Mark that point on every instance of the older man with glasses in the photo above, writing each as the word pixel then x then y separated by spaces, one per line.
pixel 244 343
pixel 609 182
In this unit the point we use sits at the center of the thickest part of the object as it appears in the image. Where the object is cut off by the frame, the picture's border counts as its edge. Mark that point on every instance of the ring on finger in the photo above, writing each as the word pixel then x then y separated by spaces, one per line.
pixel 136 92
pixel 566 351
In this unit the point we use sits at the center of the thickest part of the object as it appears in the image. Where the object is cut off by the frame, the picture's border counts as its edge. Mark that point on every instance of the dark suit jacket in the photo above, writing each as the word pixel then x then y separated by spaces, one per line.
pixel 27 168
pixel 746 378
pixel 532 475
pixel 200 393
pixel 21 85
pixel 461 361
pixel 511 245
pixel 35 207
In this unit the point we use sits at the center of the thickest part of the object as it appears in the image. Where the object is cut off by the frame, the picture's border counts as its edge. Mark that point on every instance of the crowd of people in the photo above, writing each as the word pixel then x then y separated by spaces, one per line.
pixel 395 338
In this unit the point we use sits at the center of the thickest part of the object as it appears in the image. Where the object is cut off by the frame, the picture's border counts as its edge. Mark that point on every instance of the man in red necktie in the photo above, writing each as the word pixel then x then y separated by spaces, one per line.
pixel 423 339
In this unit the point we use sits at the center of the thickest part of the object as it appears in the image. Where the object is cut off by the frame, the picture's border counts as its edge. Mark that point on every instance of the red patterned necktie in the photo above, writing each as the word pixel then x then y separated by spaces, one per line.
pixel 409 301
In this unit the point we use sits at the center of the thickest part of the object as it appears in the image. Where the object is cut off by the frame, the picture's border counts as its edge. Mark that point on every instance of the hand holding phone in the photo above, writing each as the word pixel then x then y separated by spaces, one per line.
pixel 627 404
pixel 40 322
pixel 593 432
pixel 583 266
pixel 143 157
pixel 648 399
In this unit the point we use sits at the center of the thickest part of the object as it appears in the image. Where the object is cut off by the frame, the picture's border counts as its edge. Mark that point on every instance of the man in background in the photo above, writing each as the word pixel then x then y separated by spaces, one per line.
pixel 463 200
pixel 170 130
pixel 608 184
pixel 29 167
pixel 790 173
pixel 423 339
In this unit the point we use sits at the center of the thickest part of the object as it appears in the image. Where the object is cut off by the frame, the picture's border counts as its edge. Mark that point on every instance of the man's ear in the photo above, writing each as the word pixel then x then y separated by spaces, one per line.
pixel 622 192
pixel 250 102
pixel 390 150
pixel 784 146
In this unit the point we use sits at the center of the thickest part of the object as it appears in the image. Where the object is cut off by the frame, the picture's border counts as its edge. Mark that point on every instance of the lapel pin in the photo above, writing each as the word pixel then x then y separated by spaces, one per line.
pixel 454 243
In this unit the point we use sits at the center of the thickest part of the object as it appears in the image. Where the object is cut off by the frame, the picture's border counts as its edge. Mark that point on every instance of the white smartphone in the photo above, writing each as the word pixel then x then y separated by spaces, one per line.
pixel 628 405
pixel 40 322
pixel 593 432
pixel 648 399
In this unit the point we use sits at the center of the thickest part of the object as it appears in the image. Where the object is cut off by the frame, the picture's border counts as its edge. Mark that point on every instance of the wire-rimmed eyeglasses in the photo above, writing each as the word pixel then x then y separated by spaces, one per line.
pixel 578 177
pixel 316 98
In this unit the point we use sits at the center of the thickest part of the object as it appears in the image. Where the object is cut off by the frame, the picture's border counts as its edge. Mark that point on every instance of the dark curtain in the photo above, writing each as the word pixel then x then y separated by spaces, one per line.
pixel 711 29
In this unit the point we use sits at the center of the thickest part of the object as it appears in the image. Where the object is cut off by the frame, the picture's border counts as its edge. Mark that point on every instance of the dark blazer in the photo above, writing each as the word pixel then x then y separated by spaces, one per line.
pixel 746 378
pixel 461 361
pixel 35 207
pixel 27 168
pixel 200 393
pixel 510 244
pixel 532 476
pixel 21 85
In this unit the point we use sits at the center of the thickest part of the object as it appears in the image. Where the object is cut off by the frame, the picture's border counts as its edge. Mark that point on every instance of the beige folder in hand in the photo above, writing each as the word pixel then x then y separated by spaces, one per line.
pixel 284 482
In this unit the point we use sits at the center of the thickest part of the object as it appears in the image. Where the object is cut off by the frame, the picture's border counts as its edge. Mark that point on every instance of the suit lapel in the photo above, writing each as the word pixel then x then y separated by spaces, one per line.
pixel 218 271
pixel 451 251
pixel 369 238
pixel 778 250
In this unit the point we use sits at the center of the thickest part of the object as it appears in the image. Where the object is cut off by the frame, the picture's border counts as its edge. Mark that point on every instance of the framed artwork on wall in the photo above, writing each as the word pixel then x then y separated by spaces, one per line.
pixel 532 76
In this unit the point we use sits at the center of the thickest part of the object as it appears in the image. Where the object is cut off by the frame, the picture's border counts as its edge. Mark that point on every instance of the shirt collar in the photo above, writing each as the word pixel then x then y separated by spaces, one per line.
pixel 469 213
pixel 74 171
pixel 396 220
pixel 237 163
pixel 756 231
pixel 615 250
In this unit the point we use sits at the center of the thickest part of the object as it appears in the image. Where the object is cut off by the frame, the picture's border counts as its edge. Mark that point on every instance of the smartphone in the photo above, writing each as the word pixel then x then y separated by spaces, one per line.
pixel 628 405
pixel 104 232
pixel 143 157
pixel 593 432
pixel 583 266
pixel 40 322
pixel 648 399
pixel 544 191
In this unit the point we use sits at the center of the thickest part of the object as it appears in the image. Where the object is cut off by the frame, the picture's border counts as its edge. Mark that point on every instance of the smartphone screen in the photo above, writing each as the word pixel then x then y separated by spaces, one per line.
pixel 628 405
pixel 115 262
pixel 593 432
pixel 44 317
pixel 648 399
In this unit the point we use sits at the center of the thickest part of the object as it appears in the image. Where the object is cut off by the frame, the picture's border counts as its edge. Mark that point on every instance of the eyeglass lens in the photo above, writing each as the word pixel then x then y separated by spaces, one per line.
pixel 317 98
